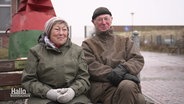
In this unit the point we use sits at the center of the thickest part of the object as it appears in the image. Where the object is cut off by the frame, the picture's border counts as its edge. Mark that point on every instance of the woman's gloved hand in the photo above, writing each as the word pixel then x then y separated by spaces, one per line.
pixel 52 94
pixel 67 96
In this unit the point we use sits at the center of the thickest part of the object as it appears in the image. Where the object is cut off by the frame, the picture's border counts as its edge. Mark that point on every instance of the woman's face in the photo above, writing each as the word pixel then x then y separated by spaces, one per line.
pixel 59 34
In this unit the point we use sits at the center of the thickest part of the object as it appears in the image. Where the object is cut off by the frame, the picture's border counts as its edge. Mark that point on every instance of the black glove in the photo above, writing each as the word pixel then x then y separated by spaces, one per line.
pixel 132 78
pixel 117 75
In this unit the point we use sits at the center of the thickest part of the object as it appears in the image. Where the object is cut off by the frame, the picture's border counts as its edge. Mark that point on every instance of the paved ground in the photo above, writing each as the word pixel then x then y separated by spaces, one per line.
pixel 163 77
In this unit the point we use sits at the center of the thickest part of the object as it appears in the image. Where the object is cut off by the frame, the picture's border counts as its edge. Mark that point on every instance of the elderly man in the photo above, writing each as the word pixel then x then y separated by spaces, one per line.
pixel 114 63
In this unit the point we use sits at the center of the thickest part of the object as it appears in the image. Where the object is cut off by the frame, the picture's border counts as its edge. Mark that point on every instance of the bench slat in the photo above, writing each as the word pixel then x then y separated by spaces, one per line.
pixel 10 78
pixel 7 66
pixel 12 65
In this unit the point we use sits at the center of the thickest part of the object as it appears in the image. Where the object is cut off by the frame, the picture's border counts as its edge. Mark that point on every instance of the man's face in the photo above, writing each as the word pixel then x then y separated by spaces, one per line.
pixel 103 22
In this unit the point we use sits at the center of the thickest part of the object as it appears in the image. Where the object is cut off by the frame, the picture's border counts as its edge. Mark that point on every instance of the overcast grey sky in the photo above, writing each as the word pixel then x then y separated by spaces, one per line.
pixel 146 12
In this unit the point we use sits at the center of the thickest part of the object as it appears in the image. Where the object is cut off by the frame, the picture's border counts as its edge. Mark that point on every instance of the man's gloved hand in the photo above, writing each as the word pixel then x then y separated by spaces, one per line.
pixel 67 96
pixel 132 78
pixel 117 75
pixel 52 94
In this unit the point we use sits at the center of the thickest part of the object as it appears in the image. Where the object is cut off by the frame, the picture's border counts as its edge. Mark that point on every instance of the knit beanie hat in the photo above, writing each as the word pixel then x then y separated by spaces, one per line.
pixel 49 24
pixel 100 11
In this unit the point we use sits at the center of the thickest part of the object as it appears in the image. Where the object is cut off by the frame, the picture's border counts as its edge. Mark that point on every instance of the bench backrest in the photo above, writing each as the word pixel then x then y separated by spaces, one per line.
pixel 10 78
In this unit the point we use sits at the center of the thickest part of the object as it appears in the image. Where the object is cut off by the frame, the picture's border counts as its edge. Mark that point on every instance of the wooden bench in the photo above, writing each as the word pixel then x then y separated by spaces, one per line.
pixel 10 82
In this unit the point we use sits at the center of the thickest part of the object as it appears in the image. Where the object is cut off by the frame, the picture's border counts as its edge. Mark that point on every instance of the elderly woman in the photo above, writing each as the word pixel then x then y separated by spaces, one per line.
pixel 56 69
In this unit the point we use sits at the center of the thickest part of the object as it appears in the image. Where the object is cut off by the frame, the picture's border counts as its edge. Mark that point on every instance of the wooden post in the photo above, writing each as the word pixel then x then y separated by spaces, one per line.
pixel 135 38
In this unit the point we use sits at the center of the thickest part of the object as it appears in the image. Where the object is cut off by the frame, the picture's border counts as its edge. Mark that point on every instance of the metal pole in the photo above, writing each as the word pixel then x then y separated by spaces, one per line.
pixel 132 21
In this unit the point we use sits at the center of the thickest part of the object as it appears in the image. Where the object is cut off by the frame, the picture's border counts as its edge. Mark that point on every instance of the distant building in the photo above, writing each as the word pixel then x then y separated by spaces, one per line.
pixel 7 9
pixel 154 38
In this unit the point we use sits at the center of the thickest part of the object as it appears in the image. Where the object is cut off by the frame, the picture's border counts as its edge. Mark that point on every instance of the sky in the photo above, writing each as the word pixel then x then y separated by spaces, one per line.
pixel 78 13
